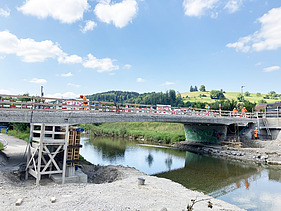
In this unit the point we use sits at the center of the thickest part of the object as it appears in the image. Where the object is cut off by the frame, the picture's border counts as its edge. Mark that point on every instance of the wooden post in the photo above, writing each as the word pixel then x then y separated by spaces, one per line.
pixel 42 134
pixel 29 150
pixel 65 152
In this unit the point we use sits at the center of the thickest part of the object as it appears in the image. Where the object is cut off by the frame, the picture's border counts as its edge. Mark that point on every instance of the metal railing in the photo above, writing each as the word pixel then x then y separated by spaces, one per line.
pixel 20 102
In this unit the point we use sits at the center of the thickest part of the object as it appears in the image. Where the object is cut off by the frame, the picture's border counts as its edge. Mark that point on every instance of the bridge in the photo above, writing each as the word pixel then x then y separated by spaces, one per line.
pixel 199 124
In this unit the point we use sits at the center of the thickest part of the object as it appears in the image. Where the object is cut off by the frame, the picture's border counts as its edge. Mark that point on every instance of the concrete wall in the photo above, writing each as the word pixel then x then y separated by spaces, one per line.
pixel 205 133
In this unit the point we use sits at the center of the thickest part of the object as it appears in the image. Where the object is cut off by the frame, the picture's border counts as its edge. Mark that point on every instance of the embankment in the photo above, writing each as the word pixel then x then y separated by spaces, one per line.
pixel 164 133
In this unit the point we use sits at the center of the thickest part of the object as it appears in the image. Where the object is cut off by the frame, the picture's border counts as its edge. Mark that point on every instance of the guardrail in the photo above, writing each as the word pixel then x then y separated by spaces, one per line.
pixel 20 102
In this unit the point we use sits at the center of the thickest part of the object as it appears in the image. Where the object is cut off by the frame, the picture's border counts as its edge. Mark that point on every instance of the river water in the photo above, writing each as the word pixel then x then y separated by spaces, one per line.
pixel 250 187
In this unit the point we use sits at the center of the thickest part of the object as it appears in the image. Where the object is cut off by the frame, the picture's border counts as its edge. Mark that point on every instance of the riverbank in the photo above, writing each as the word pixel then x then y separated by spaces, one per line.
pixel 264 152
pixel 157 132
pixel 123 193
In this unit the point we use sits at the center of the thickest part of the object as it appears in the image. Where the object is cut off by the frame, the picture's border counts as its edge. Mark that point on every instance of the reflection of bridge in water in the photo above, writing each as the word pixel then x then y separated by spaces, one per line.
pixel 212 176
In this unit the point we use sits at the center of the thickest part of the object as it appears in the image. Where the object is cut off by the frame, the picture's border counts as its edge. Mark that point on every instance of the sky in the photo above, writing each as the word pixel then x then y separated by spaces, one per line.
pixel 73 47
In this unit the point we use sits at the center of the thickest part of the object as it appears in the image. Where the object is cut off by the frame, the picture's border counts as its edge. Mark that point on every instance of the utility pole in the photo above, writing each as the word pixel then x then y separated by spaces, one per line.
pixel 242 93
pixel 42 92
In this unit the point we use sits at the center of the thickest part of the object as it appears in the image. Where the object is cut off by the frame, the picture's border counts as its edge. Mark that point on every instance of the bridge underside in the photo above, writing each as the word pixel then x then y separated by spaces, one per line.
pixel 205 133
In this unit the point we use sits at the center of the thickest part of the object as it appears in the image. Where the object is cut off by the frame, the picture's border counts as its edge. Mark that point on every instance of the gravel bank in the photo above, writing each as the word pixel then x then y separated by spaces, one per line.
pixel 121 192
pixel 264 152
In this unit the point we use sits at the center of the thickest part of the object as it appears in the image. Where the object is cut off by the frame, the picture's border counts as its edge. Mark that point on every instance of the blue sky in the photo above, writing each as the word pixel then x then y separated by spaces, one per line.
pixel 74 47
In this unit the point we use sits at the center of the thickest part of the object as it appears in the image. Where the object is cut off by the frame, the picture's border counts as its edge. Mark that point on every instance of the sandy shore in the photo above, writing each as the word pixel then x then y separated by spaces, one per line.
pixel 122 194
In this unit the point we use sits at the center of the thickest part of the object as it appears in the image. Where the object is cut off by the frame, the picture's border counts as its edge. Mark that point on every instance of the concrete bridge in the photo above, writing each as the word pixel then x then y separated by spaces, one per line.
pixel 199 124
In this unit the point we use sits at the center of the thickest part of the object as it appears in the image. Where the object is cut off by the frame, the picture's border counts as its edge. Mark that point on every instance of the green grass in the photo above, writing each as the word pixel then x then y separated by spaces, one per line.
pixel 1 146
pixel 18 134
pixel 150 131
pixel 195 97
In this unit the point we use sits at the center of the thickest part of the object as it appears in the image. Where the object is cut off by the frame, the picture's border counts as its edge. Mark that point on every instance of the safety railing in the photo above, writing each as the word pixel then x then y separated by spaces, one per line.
pixel 19 102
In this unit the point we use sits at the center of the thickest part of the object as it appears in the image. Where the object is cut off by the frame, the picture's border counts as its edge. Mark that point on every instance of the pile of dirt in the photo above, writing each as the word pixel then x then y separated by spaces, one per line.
pixel 102 174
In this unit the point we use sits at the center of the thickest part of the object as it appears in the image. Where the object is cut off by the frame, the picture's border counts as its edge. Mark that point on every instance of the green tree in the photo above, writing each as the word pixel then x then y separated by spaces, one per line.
pixel 216 94
pixel 202 88
pixel 262 101
pixel 247 94
pixel 191 89
pixel 240 98
pixel 248 105
pixel 258 94
pixel 195 89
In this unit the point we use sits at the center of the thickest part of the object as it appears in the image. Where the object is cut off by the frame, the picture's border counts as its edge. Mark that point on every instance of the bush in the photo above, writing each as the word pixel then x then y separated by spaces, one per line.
pixel 247 94
pixel 216 94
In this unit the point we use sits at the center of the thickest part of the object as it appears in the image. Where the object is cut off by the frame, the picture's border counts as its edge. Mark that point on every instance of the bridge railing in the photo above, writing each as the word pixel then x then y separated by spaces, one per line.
pixel 16 102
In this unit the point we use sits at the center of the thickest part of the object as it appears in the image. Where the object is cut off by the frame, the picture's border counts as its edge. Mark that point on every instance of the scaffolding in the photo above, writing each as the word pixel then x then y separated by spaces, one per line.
pixel 46 142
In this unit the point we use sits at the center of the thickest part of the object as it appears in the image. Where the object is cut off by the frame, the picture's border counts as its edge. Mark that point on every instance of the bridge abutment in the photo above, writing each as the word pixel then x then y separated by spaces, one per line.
pixel 205 133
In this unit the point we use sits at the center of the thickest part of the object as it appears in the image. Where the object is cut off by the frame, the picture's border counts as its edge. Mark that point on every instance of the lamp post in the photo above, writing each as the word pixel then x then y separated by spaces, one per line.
pixel 242 89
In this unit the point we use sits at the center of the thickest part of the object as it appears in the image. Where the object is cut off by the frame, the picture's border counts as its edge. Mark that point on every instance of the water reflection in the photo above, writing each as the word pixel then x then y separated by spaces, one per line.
pixel 149 159
pixel 247 186
pixel 209 175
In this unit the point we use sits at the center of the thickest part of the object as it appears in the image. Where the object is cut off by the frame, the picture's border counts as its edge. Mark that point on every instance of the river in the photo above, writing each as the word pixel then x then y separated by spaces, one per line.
pixel 250 187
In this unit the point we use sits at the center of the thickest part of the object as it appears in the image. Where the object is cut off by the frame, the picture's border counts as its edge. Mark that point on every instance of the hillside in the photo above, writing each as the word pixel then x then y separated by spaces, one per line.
pixel 253 98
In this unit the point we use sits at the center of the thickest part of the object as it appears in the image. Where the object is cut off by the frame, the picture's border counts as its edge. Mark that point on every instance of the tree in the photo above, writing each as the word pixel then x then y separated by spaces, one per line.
pixel 262 101
pixel 258 94
pixel 247 94
pixel 248 105
pixel 240 98
pixel 191 89
pixel 202 88
pixel 195 89
pixel 216 94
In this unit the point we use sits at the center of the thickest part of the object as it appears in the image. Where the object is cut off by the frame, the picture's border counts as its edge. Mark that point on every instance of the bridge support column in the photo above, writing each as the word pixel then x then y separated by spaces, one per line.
pixel 205 133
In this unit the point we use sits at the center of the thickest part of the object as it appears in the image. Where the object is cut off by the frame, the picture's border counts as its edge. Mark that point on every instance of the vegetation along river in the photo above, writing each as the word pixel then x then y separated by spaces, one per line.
pixel 248 186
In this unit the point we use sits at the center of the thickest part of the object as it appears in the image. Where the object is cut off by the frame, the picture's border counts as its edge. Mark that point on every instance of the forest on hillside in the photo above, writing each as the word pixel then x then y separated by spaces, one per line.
pixel 170 97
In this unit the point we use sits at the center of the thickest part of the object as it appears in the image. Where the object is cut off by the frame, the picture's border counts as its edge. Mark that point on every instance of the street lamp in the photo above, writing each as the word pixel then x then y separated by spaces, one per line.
pixel 242 93
pixel 242 89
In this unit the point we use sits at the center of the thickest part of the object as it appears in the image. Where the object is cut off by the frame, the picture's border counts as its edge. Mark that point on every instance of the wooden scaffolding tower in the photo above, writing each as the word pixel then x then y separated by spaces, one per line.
pixel 45 143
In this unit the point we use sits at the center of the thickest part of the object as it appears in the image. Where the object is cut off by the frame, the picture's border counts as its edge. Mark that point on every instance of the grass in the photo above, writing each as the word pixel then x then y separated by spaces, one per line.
pixel 1 146
pixel 19 134
pixel 150 131
pixel 195 97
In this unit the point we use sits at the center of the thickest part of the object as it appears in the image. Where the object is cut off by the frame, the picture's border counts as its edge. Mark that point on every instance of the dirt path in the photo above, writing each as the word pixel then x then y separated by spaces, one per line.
pixel 123 194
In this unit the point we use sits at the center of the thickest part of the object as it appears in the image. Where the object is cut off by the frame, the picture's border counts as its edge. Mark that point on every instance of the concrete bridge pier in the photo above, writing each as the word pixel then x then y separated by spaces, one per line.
pixel 205 133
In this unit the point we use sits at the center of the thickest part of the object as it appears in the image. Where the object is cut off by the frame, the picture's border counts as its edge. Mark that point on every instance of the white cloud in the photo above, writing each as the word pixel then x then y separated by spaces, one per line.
pixel 66 74
pixel 73 85
pixel 198 7
pixel 233 5
pixel 89 26
pixel 69 59
pixel 68 95
pixel 140 80
pixel 28 49
pixel 31 51
pixel 168 83
pixel 120 14
pixel 5 92
pixel 267 38
pixel 259 63
pixel 38 81
pixel 271 69
pixel 127 66
pixel 5 13
pixel 102 65
pixel 66 11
